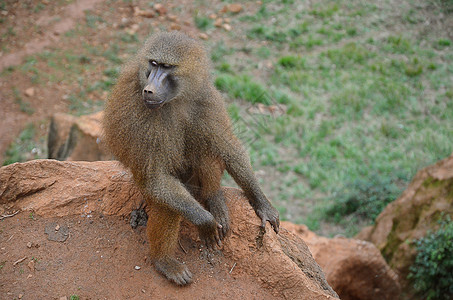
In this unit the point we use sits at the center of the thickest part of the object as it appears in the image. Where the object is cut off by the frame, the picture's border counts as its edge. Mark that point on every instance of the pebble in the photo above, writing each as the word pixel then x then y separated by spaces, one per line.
pixel 235 7
pixel 203 36
pixel 30 92
pixel 160 8
pixel 175 26
pixel 31 265
pixel 227 27
pixel 218 22
pixel 29 244
pixel 137 268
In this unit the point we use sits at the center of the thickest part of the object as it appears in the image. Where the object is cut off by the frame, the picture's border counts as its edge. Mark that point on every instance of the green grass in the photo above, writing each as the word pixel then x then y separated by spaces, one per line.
pixel 23 148
pixel 364 111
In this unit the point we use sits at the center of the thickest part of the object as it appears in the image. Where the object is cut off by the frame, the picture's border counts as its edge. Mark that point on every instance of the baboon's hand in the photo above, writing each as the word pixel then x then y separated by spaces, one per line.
pixel 268 213
pixel 209 233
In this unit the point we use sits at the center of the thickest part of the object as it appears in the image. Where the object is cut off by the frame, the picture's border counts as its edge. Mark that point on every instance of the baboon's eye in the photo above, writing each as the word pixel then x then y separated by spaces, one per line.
pixel 153 63
pixel 166 66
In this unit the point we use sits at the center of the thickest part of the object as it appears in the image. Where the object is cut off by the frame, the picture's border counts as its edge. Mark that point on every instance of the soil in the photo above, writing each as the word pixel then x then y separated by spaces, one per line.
pixel 99 260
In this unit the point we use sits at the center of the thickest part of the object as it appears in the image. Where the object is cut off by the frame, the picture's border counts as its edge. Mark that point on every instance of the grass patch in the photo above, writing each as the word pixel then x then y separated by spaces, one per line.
pixel 23 148
pixel 243 87
pixel 364 198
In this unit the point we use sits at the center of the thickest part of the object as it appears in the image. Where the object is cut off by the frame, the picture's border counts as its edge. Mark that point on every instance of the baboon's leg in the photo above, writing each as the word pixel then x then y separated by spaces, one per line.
pixel 163 231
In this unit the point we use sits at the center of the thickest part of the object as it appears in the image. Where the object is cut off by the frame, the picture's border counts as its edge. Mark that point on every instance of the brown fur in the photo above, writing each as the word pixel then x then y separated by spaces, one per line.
pixel 178 152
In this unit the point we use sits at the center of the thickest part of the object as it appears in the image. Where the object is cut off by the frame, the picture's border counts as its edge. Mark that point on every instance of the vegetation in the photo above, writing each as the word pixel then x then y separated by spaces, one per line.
pixel 432 270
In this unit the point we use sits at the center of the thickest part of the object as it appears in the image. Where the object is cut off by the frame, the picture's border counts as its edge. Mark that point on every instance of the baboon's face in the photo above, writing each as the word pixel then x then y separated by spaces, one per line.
pixel 172 66
pixel 161 84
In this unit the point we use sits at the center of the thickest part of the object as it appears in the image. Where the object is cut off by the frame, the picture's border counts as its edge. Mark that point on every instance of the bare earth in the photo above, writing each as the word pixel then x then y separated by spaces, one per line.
pixel 98 261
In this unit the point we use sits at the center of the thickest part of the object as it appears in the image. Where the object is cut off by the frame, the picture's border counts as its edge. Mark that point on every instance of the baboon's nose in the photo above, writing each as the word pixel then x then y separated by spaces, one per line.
pixel 148 90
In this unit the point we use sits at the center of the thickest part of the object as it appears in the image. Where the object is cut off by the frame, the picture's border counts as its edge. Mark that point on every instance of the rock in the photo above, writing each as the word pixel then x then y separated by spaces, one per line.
pixel 227 27
pixel 235 8
pixel 30 92
pixel 410 216
pixel 282 263
pixel 143 13
pixel 218 22
pixel 76 138
pixel 54 188
pixel 58 235
pixel 173 18
pixel 212 16
pixel 162 10
pixel 174 26
pixel 203 36
pixel 31 265
pixel 355 269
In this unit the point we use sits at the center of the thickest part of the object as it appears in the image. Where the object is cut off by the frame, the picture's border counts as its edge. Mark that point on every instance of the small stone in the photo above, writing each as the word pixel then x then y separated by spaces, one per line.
pixel 160 8
pixel 20 296
pixel 30 92
pixel 29 276
pixel 133 29
pixel 136 11
pixel 235 8
pixel 57 227
pixel 212 16
pixel 146 14
pixel 203 36
pixel 174 26
pixel 173 18
pixel 29 245
pixel 137 268
pixel 227 27
pixel 218 22
pixel 31 265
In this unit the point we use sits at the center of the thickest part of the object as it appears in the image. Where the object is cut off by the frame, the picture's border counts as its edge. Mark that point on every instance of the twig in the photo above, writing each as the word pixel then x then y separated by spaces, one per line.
pixel 182 247
pixel 19 261
pixel 10 238
pixel 7 216
pixel 232 268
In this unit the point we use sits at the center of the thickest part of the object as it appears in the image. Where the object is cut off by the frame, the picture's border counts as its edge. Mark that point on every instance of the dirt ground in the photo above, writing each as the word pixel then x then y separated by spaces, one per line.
pixel 99 260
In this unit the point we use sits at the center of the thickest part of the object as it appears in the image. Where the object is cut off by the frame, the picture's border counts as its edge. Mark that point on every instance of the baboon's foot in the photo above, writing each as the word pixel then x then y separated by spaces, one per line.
pixel 173 270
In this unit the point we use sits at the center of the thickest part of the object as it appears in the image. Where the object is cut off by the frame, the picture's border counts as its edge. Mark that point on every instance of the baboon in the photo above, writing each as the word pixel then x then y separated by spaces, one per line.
pixel 167 123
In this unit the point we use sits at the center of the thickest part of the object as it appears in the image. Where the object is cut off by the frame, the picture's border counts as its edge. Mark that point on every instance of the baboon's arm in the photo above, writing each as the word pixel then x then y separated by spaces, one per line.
pixel 170 192
pixel 238 166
